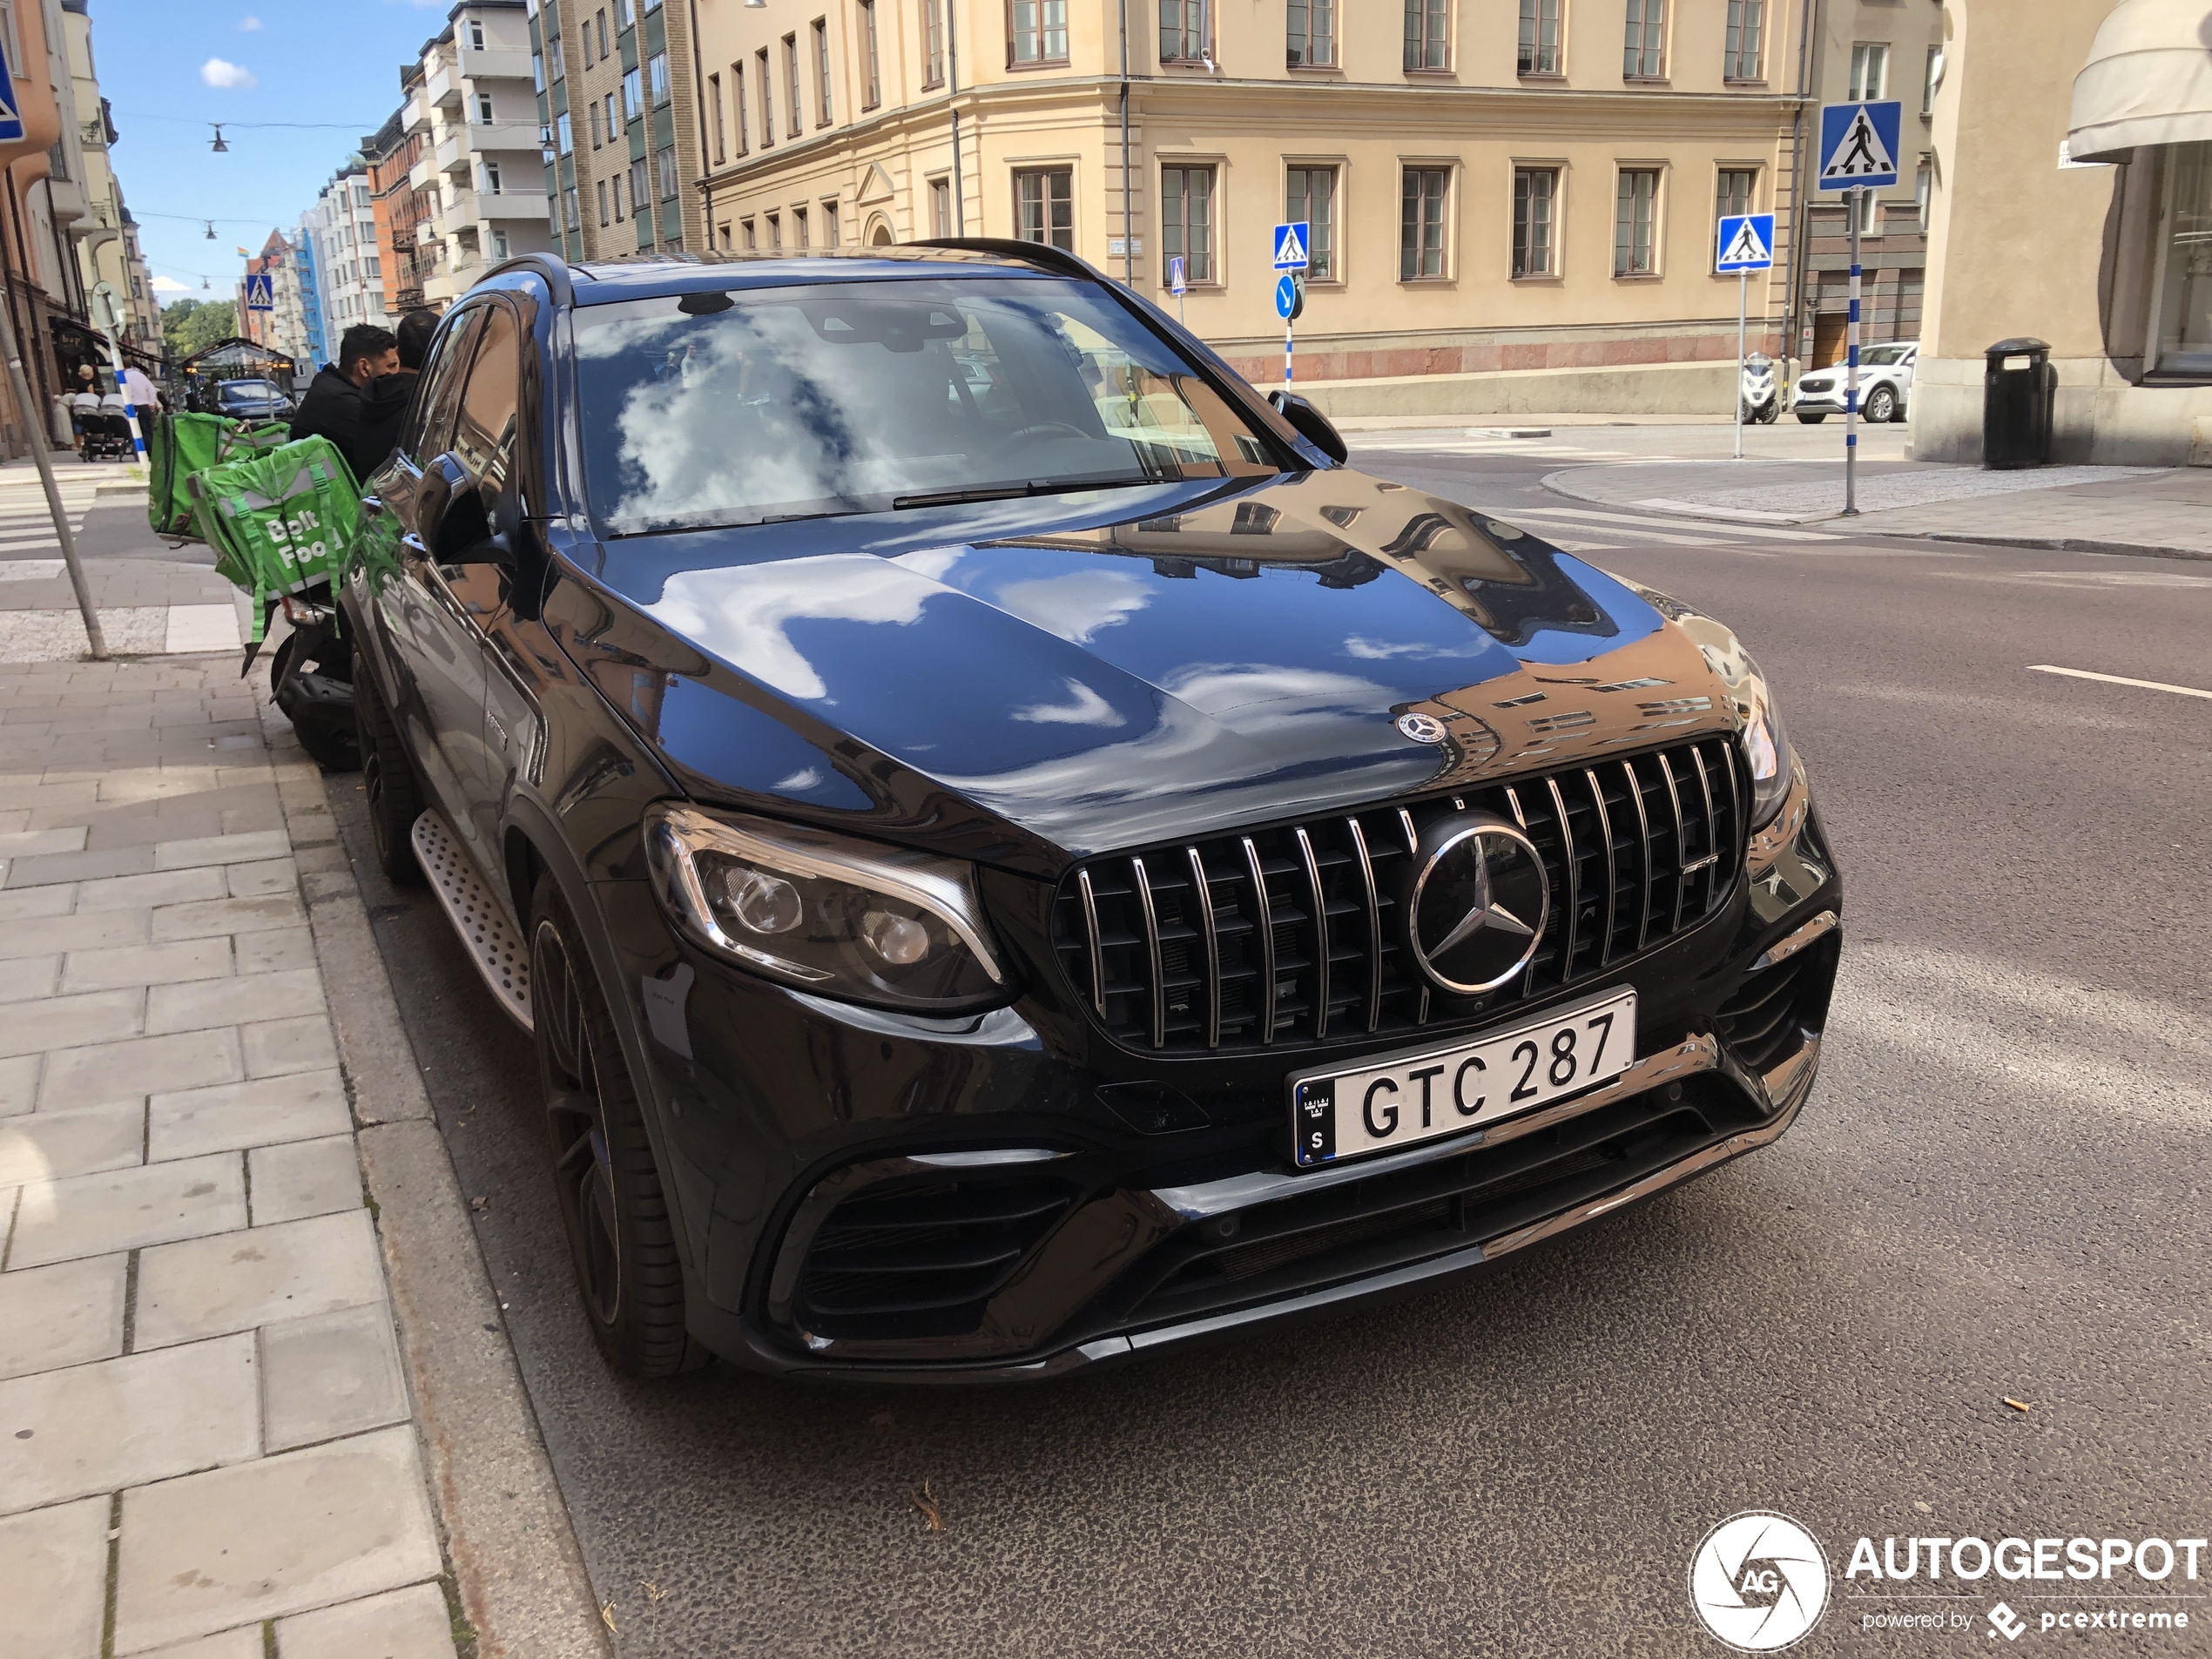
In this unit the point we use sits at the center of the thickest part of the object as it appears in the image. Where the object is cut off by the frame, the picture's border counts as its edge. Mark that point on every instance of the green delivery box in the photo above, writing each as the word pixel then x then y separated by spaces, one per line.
pixel 280 523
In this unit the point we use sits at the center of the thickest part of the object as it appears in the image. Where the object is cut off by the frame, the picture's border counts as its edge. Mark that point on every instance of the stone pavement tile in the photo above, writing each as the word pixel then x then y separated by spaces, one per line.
pixel 220 849
pixel 46 1146
pixel 329 857
pixel 35 791
pixel 270 875
pixel 168 888
pixel 301 1178
pixel 216 914
pixel 79 867
pixel 18 1084
pixel 150 829
pixel 26 977
pixel 72 1022
pixel 279 1535
pixel 232 1001
pixel 23 844
pixel 42 935
pixel 412 1623
pixel 92 1215
pixel 124 1070
pixel 275 1048
pixel 206 1287
pixel 245 1642
pixel 67 1314
pixel 14 820
pixel 184 958
pixel 278 951
pixel 124 1422
pixel 229 1117
pixel 37 901
pixel 53 1581
pixel 332 1374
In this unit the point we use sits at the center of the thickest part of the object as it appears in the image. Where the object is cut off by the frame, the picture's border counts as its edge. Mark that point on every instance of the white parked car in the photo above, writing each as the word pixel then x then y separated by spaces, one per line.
pixel 1885 377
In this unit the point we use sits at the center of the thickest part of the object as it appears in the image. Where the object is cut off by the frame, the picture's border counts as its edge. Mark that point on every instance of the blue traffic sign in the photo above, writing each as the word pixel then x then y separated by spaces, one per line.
pixel 1287 297
pixel 260 291
pixel 1291 245
pixel 1746 243
pixel 10 112
pixel 1858 145
pixel 1178 277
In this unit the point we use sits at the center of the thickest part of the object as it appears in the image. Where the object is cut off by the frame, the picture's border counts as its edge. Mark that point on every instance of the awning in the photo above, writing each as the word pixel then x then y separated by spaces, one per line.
pixel 2148 80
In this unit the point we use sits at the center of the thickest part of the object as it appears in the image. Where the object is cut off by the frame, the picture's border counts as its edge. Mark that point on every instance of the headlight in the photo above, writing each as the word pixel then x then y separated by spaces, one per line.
pixel 875 924
pixel 1766 745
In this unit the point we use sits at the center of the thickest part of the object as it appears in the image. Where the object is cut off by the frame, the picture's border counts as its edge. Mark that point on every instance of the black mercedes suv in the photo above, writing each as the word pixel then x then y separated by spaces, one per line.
pixel 1014 854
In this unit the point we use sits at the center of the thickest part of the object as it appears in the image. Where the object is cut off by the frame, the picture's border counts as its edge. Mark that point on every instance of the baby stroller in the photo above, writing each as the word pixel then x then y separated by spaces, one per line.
pixel 103 426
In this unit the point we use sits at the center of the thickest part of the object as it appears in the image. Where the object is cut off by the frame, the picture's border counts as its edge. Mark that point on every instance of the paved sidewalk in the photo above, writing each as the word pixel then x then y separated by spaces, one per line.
pixel 245 1332
pixel 2099 510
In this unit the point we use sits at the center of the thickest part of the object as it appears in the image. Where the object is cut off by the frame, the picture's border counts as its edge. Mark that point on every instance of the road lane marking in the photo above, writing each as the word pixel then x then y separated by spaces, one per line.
pixel 2117 679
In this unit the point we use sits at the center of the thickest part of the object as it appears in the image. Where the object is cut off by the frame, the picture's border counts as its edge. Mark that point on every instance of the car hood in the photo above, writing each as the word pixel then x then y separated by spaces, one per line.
pixel 1037 679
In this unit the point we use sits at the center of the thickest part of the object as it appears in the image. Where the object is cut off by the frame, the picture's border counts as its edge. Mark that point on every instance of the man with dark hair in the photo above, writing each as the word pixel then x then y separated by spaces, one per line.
pixel 340 407
pixel 414 332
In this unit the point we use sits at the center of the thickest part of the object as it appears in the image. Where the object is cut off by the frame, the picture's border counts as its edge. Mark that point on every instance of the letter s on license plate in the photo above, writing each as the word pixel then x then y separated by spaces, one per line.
pixel 1447 1091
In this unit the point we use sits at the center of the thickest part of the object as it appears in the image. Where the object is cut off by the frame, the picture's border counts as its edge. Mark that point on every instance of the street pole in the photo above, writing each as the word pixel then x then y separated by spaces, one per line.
pixel 36 428
pixel 1850 368
pixel 952 98
pixel 1286 353
pixel 1743 308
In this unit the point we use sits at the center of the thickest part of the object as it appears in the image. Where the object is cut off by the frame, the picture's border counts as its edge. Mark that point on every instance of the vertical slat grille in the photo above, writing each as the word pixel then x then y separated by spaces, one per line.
pixel 1294 933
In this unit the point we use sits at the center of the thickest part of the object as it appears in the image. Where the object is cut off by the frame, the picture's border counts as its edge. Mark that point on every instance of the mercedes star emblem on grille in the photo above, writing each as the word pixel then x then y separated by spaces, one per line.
pixel 1422 728
pixel 1481 899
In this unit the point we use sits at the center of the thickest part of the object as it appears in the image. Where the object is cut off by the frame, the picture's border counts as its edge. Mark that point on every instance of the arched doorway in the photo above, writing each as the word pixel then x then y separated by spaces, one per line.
pixel 879 234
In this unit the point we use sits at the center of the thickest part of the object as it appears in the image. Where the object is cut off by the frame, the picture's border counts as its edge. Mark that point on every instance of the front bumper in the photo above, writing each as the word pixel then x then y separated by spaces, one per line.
pixel 1105 1243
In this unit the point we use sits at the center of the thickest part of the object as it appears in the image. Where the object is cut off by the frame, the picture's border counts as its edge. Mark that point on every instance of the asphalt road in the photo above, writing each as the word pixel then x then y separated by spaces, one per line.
pixel 1997 1190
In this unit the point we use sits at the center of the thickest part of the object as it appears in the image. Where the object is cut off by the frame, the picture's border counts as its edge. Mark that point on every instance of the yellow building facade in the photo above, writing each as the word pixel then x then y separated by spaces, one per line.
pixel 1515 200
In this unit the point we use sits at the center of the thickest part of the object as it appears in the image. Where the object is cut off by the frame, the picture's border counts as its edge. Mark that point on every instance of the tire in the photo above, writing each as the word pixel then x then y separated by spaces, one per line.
pixel 1881 406
pixel 395 793
pixel 334 751
pixel 622 1241
pixel 1813 420
pixel 1769 413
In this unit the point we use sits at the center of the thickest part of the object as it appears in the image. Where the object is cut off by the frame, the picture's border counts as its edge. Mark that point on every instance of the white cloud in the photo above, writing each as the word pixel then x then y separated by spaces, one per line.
pixel 249 24
pixel 170 285
pixel 218 72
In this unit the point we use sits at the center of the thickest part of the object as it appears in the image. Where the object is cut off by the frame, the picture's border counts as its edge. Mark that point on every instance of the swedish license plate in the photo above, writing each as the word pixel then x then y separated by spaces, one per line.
pixel 1448 1091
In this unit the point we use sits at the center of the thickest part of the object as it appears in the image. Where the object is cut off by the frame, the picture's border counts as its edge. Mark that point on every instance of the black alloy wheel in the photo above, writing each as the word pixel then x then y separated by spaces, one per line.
pixel 1881 405
pixel 387 777
pixel 621 1239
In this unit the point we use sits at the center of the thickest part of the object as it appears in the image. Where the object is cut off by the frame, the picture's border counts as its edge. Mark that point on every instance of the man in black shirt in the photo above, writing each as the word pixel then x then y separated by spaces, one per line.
pixel 345 404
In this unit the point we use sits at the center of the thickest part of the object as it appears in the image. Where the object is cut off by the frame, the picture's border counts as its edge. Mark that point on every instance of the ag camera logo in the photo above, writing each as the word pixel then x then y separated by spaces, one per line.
pixel 1759 1581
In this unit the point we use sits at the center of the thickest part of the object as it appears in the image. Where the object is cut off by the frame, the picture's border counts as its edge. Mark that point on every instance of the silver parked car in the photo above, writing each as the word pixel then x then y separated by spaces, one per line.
pixel 1885 377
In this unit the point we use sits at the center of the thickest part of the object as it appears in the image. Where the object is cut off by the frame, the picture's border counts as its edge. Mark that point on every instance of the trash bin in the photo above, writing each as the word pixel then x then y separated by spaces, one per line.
pixel 2016 391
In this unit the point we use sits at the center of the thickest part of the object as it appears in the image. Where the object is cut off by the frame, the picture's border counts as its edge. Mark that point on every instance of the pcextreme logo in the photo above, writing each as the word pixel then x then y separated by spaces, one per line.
pixel 1759 1581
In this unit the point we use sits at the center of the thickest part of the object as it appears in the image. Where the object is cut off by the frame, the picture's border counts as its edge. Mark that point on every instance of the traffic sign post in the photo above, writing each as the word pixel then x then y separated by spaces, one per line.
pixel 1179 282
pixel 260 291
pixel 1858 149
pixel 1746 243
pixel 1291 244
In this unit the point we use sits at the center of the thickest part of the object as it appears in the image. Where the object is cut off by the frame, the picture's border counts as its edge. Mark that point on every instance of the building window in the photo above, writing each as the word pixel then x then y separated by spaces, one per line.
pixel 738 113
pixel 587 46
pixel 794 117
pixel 1644 54
pixel 625 13
pixel 1869 68
pixel 641 184
pixel 1736 189
pixel 537 71
pixel 593 112
pixel 1746 30
pixel 617 196
pixel 767 98
pixel 614 120
pixel 775 233
pixel 714 101
pixel 633 97
pixel 941 208
pixel 601 20
pixel 1183 31
pixel 484 108
pixel 1312 38
pixel 1923 192
pixel 656 68
pixel 491 179
pixel 1928 80
pixel 556 60
pixel 798 217
pixel 1427 34
pixel 1309 198
pixel 564 134
pixel 933 43
pixel 1044 202
pixel 1636 205
pixel 1539 37
pixel 752 235
pixel 871 65
pixel 602 204
pixel 830 235
pixel 1420 222
pixel 1186 222
pixel 670 180
pixel 1535 197
pixel 570 212
pixel 1870 213
pixel 476 35
pixel 499 245
pixel 821 73
pixel 1036 31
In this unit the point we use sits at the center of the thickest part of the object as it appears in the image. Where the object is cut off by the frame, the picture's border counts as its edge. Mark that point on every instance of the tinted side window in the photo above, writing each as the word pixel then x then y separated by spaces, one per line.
pixel 431 418
pixel 483 430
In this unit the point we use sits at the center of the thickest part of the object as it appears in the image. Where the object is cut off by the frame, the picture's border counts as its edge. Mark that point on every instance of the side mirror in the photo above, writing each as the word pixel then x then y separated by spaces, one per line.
pixel 449 517
pixel 1311 424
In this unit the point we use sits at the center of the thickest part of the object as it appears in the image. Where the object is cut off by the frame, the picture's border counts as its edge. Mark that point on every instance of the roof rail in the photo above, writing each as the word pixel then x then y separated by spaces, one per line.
pixel 1044 255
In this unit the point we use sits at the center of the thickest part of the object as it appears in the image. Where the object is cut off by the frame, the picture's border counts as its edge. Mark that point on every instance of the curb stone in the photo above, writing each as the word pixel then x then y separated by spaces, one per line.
pixel 511 1548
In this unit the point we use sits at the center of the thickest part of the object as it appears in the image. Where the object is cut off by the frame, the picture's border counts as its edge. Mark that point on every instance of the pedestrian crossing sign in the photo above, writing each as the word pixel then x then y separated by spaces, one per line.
pixel 260 291
pixel 10 112
pixel 1746 243
pixel 1291 244
pixel 1858 145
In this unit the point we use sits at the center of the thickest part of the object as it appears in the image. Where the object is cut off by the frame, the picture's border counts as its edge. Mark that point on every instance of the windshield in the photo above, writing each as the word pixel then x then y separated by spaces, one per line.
pixel 713 409
pixel 1874 354
pixel 248 389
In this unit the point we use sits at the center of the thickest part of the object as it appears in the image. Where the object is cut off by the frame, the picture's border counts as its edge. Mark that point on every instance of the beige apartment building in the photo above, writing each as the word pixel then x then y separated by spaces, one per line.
pixel 1513 201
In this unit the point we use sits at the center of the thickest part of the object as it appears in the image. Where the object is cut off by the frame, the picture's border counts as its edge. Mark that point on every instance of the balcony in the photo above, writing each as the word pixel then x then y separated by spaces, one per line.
pixel 424 173
pixel 507 136
pixel 417 113
pixel 453 151
pixel 495 63
pixel 510 204
pixel 442 86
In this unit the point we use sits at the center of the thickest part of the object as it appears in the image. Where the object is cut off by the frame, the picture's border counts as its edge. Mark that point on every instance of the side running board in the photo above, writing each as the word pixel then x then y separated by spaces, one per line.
pixel 486 934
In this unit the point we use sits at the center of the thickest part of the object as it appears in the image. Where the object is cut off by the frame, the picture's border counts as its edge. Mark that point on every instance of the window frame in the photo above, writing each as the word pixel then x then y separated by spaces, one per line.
pixel 1184 167
pixel 1427 12
pixel 660 84
pixel 1863 53
pixel 1734 60
pixel 933 44
pixel 1723 204
pixel 1644 16
pixel 740 111
pixel 1041 32
pixel 1530 40
pixel 1655 253
pixel 714 96
pixel 1030 173
pixel 872 59
pixel 1334 167
pixel 819 29
pixel 767 99
pixel 1447 210
pixel 1517 241
pixel 1923 191
pixel 795 116
pixel 938 190
pixel 1928 83
pixel 1179 57
pixel 1291 36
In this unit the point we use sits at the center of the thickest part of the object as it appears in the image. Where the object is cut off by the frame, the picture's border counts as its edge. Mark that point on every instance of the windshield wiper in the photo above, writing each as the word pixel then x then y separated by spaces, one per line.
pixel 1015 492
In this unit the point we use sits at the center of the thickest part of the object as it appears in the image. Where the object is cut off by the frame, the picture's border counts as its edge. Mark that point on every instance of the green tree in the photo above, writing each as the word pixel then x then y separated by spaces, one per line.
pixel 188 326
pixel 173 318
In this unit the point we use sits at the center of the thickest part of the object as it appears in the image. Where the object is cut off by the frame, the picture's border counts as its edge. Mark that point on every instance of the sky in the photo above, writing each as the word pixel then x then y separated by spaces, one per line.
pixel 171 67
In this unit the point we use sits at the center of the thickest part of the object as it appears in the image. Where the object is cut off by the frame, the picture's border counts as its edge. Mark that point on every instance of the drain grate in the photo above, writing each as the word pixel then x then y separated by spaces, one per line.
pixel 490 938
